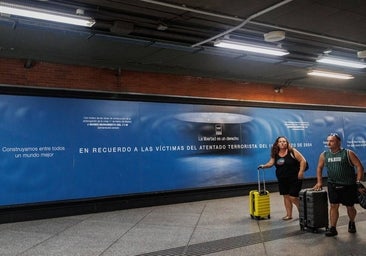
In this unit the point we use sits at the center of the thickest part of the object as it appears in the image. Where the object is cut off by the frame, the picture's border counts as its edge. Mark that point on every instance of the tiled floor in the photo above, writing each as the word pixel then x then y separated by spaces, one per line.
pixel 213 227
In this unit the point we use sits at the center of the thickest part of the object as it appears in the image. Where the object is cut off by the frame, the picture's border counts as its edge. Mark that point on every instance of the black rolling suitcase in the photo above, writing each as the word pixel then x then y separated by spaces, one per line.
pixel 313 210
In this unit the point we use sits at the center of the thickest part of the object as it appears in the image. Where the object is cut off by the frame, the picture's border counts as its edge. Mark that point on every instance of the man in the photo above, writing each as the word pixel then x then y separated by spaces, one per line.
pixel 343 183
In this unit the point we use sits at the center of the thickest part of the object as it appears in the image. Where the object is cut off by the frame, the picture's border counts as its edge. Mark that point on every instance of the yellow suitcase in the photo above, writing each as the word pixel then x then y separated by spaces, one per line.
pixel 259 204
pixel 259 201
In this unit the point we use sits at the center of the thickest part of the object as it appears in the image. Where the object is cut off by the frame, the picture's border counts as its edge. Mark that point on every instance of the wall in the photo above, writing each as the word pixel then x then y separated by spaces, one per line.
pixel 42 74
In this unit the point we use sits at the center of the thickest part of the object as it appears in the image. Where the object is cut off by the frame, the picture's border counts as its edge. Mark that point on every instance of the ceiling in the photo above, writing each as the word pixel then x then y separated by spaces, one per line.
pixel 177 36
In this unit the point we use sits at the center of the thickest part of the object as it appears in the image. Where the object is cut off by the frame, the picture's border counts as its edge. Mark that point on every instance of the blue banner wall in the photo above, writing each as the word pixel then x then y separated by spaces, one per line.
pixel 55 148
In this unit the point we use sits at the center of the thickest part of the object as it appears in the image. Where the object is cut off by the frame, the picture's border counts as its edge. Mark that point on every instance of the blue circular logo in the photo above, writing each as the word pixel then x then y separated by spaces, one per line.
pixel 281 161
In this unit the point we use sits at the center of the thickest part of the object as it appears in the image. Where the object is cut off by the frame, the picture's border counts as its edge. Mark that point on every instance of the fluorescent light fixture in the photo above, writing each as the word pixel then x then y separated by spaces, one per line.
pixel 41 14
pixel 341 62
pixel 330 74
pixel 250 48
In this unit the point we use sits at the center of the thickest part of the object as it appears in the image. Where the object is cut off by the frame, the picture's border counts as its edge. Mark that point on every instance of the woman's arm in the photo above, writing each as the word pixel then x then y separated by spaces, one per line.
pixel 269 164
pixel 299 157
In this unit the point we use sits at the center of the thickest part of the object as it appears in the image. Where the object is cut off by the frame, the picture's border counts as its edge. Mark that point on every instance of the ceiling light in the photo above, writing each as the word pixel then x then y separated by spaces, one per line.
pixel 341 62
pixel 162 27
pixel 250 48
pixel 330 74
pixel 361 54
pixel 36 13
pixel 274 36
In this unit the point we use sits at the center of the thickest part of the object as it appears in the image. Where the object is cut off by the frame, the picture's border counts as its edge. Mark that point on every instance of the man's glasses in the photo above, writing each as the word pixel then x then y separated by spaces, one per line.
pixel 335 135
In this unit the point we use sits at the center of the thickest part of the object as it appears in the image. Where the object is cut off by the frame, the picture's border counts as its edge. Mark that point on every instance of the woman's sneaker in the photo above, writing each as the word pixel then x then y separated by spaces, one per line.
pixel 331 232
pixel 352 227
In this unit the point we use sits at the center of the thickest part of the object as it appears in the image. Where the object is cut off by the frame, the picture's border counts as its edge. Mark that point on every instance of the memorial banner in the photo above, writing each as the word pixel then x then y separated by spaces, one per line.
pixel 55 148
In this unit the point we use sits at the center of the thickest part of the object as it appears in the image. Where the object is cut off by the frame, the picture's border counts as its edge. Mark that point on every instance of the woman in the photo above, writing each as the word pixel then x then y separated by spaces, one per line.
pixel 290 167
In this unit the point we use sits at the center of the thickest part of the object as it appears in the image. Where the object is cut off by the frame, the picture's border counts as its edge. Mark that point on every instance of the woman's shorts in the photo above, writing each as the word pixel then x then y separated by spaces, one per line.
pixel 290 186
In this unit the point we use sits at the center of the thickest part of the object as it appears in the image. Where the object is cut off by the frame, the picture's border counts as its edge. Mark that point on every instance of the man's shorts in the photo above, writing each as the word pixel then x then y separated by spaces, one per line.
pixel 342 194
